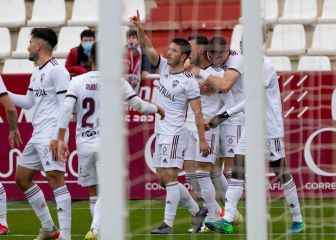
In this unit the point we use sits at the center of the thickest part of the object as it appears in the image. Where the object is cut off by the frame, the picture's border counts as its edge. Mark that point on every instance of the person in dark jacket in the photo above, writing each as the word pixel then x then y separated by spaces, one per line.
pixel 78 58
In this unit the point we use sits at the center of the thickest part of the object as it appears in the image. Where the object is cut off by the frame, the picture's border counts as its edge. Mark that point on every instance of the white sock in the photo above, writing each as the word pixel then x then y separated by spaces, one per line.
pixel 93 200
pixel 187 200
pixel 220 183
pixel 37 201
pixel 209 195
pixel 233 195
pixel 96 217
pixel 191 178
pixel 63 203
pixel 172 200
pixel 292 199
pixel 3 206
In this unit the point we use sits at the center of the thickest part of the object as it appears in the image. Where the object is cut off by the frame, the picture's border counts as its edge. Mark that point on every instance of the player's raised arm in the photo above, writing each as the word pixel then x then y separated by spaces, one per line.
pixel 145 42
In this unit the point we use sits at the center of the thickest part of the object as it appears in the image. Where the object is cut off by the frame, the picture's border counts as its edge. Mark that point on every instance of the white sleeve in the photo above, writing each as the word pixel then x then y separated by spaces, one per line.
pixel 192 89
pixel 66 114
pixel 23 101
pixel 128 91
pixel 236 109
pixel 142 106
pixel 3 89
pixel 236 64
pixel 163 63
pixel 61 79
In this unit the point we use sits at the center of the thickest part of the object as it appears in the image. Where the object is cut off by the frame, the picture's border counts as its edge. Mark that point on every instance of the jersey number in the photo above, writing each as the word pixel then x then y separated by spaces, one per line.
pixel 88 103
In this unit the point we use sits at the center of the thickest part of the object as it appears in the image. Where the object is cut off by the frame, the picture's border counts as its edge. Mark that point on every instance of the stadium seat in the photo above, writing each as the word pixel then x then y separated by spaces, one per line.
pixel 270 11
pixel 324 40
pixel 314 63
pixel 288 40
pixel 84 13
pixel 68 38
pixel 236 37
pixel 131 8
pixel 328 12
pixel 12 13
pixel 5 43
pixel 281 63
pixel 22 43
pixel 15 66
pixel 299 11
pixel 49 13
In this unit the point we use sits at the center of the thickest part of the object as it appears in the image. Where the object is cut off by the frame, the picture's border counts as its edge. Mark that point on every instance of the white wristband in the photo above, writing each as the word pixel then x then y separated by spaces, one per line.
pixel 204 74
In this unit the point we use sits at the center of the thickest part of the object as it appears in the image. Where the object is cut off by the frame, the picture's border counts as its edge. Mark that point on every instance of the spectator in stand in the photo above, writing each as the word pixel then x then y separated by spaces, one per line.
pixel 137 64
pixel 78 58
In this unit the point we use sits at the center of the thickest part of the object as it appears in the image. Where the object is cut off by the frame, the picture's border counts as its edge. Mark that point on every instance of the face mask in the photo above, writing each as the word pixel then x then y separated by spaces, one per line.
pixel 87 46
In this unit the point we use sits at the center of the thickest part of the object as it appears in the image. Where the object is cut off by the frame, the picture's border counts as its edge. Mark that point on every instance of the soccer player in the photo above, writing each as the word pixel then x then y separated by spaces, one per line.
pixel 176 90
pixel 275 153
pixel 83 96
pixel 48 85
pixel 14 139
pixel 231 82
pixel 197 167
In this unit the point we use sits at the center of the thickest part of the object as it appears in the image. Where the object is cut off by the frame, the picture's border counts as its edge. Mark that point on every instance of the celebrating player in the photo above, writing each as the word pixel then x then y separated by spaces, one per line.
pixel 83 96
pixel 177 89
pixel 48 85
pixel 275 154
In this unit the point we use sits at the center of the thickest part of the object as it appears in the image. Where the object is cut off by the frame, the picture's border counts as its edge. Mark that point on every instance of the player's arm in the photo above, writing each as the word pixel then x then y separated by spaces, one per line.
pixel 14 134
pixel 145 42
pixel 195 105
pixel 23 101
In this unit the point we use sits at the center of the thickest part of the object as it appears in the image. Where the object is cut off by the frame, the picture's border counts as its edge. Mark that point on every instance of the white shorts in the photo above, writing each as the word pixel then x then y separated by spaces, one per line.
pixel 37 156
pixel 169 151
pixel 228 139
pixel 192 146
pixel 87 165
pixel 275 148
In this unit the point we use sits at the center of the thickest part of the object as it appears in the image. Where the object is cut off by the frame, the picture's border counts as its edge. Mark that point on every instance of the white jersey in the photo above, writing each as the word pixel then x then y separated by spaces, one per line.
pixel 210 103
pixel 274 119
pixel 173 95
pixel 46 83
pixel 129 92
pixel 85 89
pixel 3 89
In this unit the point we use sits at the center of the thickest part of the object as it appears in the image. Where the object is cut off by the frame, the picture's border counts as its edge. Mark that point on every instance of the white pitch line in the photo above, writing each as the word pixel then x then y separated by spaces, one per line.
pixel 289 111
pixel 288 80
pixel 302 112
pixel 302 81
pixel 288 96
pixel 302 96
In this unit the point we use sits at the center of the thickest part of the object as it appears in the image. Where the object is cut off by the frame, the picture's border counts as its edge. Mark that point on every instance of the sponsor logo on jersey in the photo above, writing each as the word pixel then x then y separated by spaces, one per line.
pixel 40 92
pixel 164 92
pixel 91 87
pixel 175 83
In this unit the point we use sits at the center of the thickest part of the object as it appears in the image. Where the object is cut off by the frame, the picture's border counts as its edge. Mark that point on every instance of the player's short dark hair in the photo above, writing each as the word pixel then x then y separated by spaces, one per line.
pixel 217 42
pixel 199 39
pixel 132 33
pixel 88 33
pixel 46 34
pixel 184 45
pixel 93 55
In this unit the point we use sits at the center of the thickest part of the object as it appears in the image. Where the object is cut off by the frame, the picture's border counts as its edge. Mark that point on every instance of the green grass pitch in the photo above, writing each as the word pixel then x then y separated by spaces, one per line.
pixel 320 219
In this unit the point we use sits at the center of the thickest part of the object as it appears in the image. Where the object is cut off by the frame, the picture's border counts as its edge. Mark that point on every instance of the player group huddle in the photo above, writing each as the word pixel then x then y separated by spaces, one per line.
pixel 199 77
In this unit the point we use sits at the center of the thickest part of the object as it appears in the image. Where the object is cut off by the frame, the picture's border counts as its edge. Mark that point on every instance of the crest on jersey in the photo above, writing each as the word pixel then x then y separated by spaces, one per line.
pixel 42 77
pixel 175 83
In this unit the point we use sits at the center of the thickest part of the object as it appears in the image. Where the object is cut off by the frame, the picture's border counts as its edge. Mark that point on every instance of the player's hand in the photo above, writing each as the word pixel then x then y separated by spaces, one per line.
pixel 195 70
pixel 14 138
pixel 218 119
pixel 53 148
pixel 136 20
pixel 206 126
pixel 204 148
pixel 63 151
pixel 161 112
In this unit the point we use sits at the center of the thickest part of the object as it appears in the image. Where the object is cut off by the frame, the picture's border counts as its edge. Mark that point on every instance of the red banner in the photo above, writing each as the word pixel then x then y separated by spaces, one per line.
pixel 310 134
